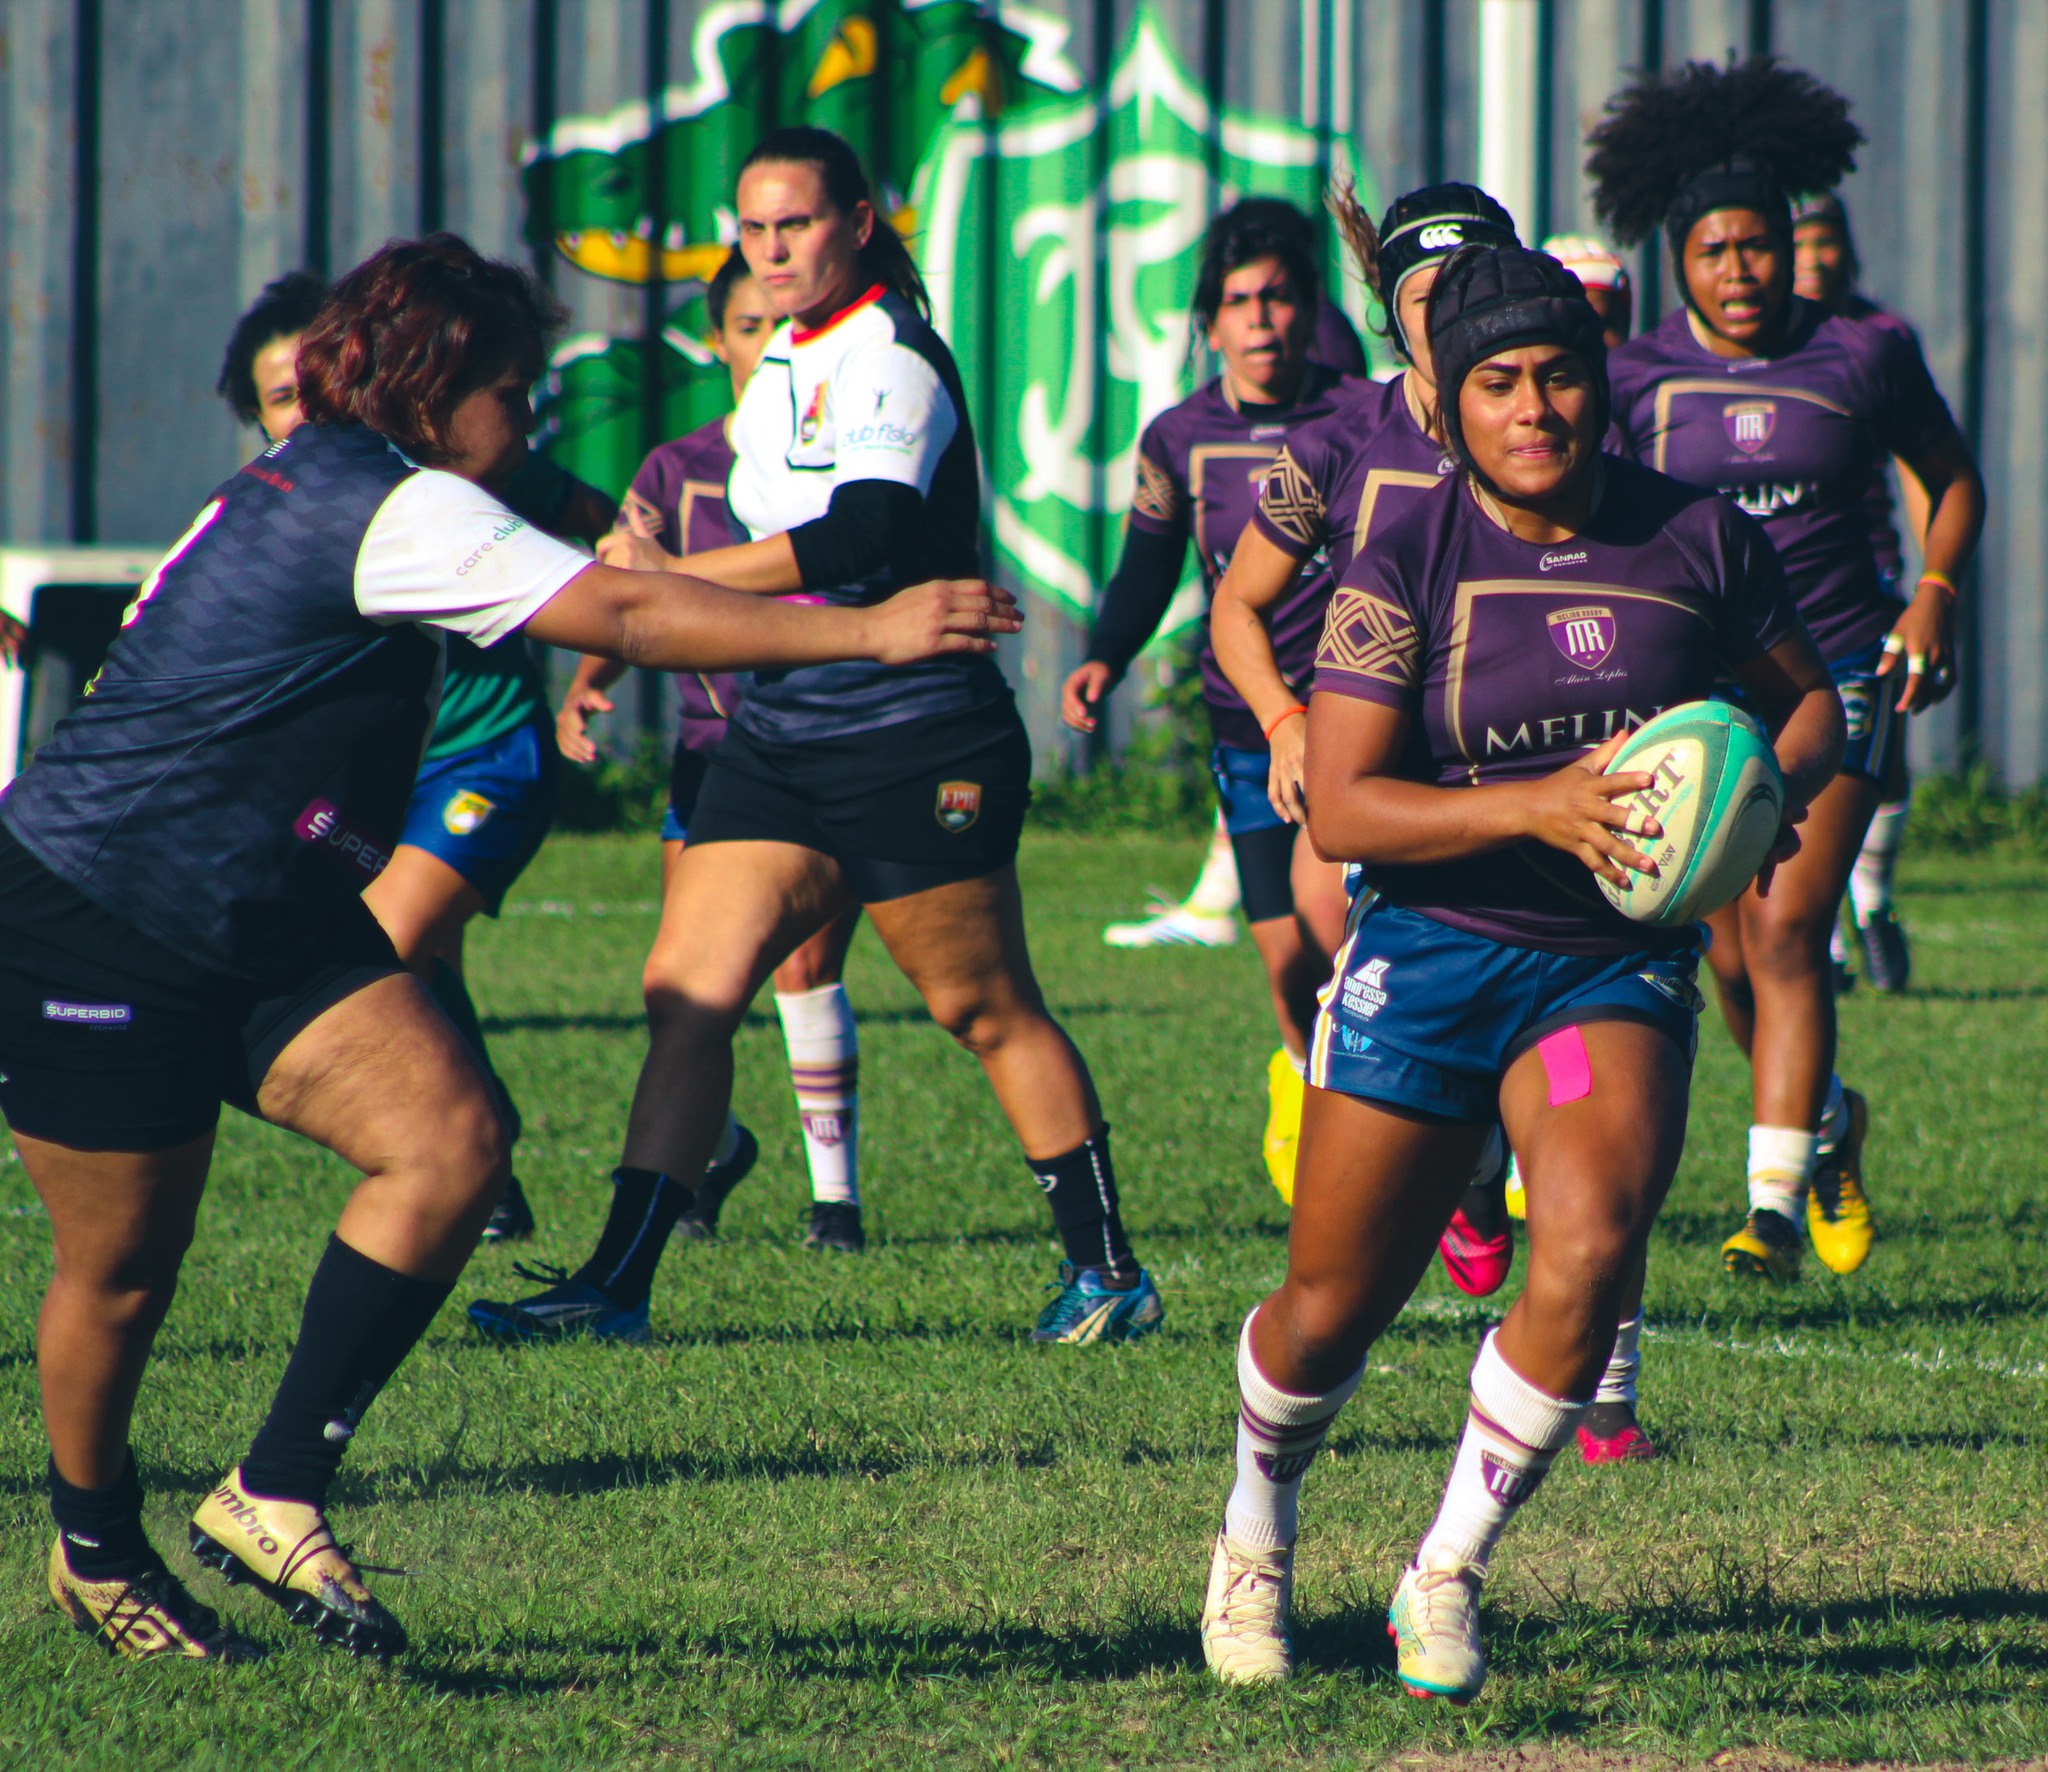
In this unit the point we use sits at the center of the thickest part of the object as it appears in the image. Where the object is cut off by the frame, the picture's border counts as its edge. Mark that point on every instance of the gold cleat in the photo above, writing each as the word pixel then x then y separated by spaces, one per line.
pixel 1766 1248
pixel 144 1615
pixel 1284 1092
pixel 284 1549
pixel 1837 1209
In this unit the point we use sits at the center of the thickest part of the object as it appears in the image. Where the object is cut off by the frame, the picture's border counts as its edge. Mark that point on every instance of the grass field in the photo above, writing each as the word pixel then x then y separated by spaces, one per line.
pixel 840 1513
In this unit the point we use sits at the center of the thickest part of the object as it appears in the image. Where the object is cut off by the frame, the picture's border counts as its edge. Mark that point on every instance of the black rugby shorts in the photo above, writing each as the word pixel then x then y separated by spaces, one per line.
pixel 901 808
pixel 111 1042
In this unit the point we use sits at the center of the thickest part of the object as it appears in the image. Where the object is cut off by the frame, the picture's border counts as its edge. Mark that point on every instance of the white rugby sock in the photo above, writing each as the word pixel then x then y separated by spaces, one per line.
pixel 1278 1434
pixel 1870 881
pixel 1216 892
pixel 1512 1432
pixel 1624 1365
pixel 824 1064
pixel 1780 1166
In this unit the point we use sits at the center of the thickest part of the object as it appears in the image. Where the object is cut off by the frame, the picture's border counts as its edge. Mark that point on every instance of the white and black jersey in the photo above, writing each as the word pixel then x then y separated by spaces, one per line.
pixel 873 394
pixel 242 762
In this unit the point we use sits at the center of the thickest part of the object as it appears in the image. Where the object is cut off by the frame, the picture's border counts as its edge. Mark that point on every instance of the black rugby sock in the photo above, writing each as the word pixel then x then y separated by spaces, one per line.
pixel 101 1528
pixel 361 1320
pixel 446 987
pixel 1081 1189
pixel 645 1207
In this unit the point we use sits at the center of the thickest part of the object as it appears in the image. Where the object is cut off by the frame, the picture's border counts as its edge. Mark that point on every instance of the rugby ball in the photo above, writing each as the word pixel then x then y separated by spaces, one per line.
pixel 1718 796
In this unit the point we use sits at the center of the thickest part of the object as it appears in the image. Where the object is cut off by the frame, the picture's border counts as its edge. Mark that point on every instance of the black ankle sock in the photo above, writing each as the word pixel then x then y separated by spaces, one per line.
pixel 1081 1189
pixel 101 1528
pixel 645 1207
pixel 361 1320
pixel 446 987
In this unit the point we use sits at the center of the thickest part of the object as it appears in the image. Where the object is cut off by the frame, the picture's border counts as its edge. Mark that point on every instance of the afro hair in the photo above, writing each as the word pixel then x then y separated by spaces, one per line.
pixel 1665 130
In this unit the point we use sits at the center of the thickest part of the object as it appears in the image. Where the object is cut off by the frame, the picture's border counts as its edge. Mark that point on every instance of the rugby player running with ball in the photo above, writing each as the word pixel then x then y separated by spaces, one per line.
pixel 1790 411
pixel 1199 467
pixel 182 922
pixel 901 789
pixel 1480 665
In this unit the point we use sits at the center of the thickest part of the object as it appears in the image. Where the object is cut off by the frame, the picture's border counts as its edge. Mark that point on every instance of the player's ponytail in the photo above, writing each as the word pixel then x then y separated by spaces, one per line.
pixel 885 259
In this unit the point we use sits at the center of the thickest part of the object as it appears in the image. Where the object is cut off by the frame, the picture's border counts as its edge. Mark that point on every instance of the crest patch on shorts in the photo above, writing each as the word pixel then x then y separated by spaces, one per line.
pixel 465 812
pixel 959 804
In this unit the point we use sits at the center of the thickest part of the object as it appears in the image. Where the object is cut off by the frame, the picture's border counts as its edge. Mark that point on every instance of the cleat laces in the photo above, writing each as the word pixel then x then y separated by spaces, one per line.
pixel 1251 1607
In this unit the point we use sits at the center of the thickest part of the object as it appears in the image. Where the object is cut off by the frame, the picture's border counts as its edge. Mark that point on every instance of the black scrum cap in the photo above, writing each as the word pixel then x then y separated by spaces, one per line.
pixel 1425 227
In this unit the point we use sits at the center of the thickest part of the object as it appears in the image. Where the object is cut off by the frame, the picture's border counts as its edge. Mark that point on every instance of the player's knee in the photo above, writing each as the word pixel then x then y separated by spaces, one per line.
pixel 680 1006
pixel 471 1149
pixel 976 1023
pixel 1787 946
pixel 1325 1326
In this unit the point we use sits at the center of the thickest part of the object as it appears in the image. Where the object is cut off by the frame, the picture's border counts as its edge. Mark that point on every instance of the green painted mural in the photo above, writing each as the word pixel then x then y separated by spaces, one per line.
pixel 1057 221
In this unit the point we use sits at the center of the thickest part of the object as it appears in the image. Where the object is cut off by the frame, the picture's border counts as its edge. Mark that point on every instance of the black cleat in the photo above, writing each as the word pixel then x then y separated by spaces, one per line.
pixel 715 1186
pixel 1886 957
pixel 145 1613
pixel 835 1224
pixel 511 1220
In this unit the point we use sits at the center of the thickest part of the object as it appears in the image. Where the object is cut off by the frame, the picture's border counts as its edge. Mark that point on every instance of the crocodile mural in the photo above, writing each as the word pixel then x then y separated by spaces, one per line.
pixel 1056 219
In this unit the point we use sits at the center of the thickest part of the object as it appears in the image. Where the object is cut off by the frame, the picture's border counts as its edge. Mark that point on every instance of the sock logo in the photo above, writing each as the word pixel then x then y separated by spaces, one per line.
pixel 1506 1483
pixel 826 1128
pixel 1284 1467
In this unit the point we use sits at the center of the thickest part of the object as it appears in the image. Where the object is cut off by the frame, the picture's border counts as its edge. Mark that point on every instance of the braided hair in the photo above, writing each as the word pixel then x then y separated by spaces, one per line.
pixel 1674 147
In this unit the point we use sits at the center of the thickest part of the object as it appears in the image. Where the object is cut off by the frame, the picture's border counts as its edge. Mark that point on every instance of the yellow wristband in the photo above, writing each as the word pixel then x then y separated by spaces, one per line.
pixel 1936 578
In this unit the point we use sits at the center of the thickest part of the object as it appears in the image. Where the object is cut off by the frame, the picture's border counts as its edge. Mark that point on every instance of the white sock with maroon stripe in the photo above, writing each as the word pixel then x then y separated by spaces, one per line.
pixel 1512 1432
pixel 824 1064
pixel 1278 1435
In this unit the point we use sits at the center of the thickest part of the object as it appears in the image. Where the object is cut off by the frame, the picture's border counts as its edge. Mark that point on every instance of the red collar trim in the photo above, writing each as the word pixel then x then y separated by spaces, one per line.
pixel 798 335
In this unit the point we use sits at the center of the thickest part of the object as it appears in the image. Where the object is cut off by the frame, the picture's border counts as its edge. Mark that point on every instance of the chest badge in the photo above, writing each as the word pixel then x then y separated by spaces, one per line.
pixel 813 420
pixel 1585 635
pixel 959 804
pixel 1749 423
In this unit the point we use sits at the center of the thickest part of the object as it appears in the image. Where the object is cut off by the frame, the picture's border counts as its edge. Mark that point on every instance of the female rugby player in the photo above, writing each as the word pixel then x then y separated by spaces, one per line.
pixel 1198 473
pixel 676 507
pixel 900 789
pixel 1790 411
pixel 486 790
pixel 182 922
pixel 1332 484
pixel 1480 666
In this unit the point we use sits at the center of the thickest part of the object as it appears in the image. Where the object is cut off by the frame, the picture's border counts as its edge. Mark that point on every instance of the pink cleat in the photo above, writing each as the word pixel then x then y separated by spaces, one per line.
pixel 1477 1263
pixel 1610 1434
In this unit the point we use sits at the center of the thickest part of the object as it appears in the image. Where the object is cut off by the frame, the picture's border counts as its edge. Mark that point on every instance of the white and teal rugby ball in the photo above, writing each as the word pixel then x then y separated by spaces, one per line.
pixel 1718 796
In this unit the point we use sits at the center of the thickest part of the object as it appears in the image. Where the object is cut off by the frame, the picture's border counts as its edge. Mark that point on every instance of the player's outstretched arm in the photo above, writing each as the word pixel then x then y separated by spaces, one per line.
pixel 661 621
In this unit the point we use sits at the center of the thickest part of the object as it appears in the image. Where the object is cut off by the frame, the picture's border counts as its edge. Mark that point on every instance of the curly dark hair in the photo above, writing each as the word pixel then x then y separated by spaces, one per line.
pixel 286 306
pixel 1249 230
pixel 1662 132
pixel 412 330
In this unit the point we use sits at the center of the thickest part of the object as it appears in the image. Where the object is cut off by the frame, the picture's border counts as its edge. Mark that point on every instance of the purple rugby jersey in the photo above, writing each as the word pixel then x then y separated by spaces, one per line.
pixel 1512 659
pixel 1795 440
pixel 1200 466
pixel 678 499
pixel 1349 477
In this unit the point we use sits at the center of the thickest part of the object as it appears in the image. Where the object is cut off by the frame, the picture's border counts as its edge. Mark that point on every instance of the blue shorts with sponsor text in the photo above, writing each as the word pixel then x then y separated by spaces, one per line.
pixel 485 812
pixel 1425 1017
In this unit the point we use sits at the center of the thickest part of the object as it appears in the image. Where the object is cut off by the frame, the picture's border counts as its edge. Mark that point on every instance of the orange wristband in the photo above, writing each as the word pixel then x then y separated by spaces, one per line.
pixel 1282 720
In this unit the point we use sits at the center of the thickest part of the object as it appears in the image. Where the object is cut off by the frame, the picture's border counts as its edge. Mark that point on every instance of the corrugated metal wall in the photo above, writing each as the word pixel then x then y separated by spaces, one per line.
pixel 162 159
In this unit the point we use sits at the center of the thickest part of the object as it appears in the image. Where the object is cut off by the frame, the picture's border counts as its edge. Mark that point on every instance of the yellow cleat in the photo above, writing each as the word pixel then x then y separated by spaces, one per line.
pixel 1837 1209
pixel 1766 1248
pixel 1518 1201
pixel 1284 1092
pixel 144 1614
pixel 284 1550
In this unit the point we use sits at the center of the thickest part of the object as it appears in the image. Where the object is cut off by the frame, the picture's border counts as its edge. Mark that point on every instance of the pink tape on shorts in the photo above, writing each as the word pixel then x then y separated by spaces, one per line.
pixel 1566 1065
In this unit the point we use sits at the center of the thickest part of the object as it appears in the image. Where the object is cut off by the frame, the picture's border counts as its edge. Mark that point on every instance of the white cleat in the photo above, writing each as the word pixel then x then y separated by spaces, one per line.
pixel 1174 926
pixel 1434 1622
pixel 1247 1613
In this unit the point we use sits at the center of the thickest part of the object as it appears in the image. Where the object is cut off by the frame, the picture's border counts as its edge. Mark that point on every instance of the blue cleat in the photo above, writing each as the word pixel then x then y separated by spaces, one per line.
pixel 568 1308
pixel 1088 1311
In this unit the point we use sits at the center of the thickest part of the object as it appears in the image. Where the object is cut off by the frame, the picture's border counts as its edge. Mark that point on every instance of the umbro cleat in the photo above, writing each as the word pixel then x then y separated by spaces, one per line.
pixel 144 1613
pixel 1887 960
pixel 1173 926
pixel 1610 1434
pixel 511 1220
pixel 835 1224
pixel 1766 1248
pixel 1434 1622
pixel 1512 1194
pixel 715 1184
pixel 284 1550
pixel 1837 1209
pixel 567 1308
pixel 1284 1092
pixel 1248 1612
pixel 1088 1311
